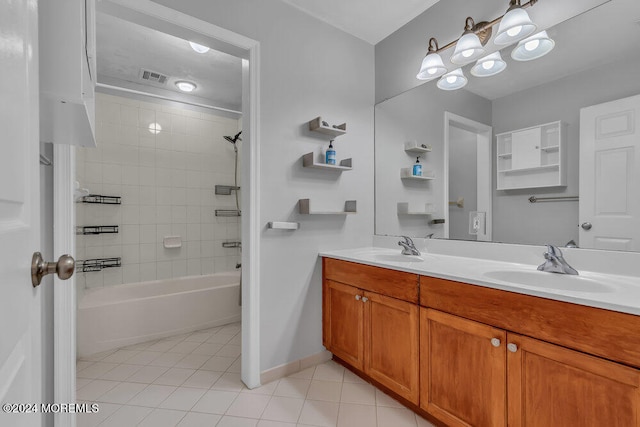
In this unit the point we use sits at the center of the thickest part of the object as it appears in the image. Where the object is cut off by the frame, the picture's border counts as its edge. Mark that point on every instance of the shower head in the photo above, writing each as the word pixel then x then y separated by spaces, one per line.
pixel 234 139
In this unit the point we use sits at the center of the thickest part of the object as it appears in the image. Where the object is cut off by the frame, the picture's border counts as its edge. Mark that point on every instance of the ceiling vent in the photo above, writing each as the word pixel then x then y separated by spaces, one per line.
pixel 153 77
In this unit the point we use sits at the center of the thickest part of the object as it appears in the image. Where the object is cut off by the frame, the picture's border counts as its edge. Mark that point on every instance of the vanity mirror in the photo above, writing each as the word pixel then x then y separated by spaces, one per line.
pixel 596 59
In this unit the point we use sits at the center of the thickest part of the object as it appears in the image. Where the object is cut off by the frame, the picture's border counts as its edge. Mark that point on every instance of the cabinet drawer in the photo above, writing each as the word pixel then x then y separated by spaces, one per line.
pixel 392 283
pixel 605 333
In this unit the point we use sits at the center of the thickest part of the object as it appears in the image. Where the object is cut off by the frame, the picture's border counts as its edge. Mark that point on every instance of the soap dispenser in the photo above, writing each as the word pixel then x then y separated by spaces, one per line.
pixel 330 158
pixel 417 167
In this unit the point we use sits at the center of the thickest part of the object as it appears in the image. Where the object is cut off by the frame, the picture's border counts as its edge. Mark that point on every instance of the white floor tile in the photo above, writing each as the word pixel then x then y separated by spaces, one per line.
pixel 202 379
pixel 358 393
pixel 96 370
pixel 120 356
pixel 144 357
pixel 329 371
pixel 350 377
pixel 208 348
pixel 185 347
pixel 147 374
pixel 220 338
pixel 305 373
pixel 248 405
pixel 235 366
pixel 285 409
pixel 163 418
pixel 120 372
pixel 81 382
pixel 174 376
pixel 122 393
pixel 127 416
pixel 268 423
pixel 396 417
pixel 228 421
pixel 230 382
pixel 353 415
pixel 167 359
pixel 192 361
pixel 95 389
pixel 292 387
pixel 153 395
pixel 95 418
pixel 317 413
pixel 196 419
pixel 215 402
pixel 267 389
pixel 229 350
pixel 183 399
pixel 217 363
pixel 325 390
pixel 383 399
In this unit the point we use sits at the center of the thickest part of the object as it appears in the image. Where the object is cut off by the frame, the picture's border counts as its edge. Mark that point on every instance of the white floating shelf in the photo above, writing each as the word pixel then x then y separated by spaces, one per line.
pixel 309 162
pixel 407 173
pixel 413 147
pixel 316 125
pixel 281 225
pixel 505 156
pixel 404 209
pixel 535 168
pixel 304 207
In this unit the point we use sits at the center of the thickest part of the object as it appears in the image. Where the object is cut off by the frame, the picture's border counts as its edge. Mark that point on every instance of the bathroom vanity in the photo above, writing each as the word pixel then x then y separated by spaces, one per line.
pixel 478 350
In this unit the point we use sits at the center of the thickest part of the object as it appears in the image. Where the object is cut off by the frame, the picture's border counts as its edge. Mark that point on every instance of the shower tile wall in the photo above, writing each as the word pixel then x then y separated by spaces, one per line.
pixel 166 181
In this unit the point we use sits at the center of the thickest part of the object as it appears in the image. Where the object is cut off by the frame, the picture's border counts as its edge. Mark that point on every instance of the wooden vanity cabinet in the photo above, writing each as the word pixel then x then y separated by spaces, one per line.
pixel 374 333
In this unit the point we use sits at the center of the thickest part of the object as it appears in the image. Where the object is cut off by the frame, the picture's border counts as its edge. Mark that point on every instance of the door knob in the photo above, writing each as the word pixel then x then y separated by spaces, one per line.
pixel 586 225
pixel 64 268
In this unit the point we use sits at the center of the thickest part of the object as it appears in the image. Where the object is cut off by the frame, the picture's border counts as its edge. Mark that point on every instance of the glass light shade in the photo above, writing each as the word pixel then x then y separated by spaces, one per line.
pixel 515 25
pixel 198 47
pixel 467 49
pixel 533 47
pixel 453 80
pixel 490 65
pixel 186 86
pixel 432 67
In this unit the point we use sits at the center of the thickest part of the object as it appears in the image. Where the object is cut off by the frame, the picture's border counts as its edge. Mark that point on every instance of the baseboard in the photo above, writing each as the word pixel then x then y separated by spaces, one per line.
pixel 293 367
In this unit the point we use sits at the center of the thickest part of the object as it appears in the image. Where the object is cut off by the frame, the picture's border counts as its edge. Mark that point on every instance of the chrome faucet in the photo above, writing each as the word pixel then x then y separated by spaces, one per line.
pixel 555 262
pixel 409 248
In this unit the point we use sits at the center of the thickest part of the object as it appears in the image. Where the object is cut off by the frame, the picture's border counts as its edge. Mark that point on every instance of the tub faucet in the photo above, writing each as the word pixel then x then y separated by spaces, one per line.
pixel 409 248
pixel 555 262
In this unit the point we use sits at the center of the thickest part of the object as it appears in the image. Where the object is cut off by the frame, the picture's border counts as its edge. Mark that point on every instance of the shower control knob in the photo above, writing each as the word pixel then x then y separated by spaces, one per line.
pixel 586 226
pixel 64 268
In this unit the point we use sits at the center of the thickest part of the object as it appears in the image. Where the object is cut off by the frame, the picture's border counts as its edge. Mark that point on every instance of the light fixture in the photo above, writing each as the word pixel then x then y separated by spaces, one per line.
pixel 155 128
pixel 432 65
pixel 533 47
pixel 453 80
pixel 514 25
pixel 198 47
pixel 490 65
pixel 186 86
pixel 469 47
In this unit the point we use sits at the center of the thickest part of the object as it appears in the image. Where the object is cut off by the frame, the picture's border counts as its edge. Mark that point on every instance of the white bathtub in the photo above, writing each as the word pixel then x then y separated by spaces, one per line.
pixel 122 315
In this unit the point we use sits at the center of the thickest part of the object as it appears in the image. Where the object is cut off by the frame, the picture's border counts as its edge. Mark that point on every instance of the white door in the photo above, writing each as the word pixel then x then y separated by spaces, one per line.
pixel 609 175
pixel 20 303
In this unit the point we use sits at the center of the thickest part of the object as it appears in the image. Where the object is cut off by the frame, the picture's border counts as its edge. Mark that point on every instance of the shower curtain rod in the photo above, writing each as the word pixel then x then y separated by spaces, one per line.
pixel 166 98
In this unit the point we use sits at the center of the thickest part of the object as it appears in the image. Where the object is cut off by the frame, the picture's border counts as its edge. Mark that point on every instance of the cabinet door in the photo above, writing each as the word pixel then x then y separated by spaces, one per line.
pixel 525 148
pixel 462 370
pixel 391 344
pixel 343 322
pixel 550 385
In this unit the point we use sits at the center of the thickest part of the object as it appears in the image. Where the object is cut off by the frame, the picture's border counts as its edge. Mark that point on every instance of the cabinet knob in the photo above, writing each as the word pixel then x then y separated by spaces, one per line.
pixel 495 342
pixel 512 347
pixel 365 299
pixel 358 297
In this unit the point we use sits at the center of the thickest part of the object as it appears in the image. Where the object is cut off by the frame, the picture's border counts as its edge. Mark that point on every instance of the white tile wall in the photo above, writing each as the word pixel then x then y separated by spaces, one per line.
pixel 166 182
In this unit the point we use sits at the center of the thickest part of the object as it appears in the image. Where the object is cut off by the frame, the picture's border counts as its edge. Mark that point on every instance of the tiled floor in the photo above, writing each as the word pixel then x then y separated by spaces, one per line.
pixel 193 380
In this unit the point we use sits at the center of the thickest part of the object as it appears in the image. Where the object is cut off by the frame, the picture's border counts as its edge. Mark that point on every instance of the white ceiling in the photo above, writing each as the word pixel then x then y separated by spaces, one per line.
pixel 369 20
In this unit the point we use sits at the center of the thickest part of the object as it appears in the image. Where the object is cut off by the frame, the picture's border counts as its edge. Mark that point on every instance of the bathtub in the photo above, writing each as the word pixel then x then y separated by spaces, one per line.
pixel 122 315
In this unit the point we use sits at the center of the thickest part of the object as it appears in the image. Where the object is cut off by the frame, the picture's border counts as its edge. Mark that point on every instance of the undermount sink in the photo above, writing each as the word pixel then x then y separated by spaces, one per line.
pixel 398 258
pixel 540 279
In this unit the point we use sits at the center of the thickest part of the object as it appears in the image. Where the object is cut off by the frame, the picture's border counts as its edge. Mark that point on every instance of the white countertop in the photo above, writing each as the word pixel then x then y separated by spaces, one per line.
pixel 608 291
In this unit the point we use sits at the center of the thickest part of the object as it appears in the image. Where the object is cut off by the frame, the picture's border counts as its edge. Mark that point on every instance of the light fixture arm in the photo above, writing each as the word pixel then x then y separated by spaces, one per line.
pixel 481 27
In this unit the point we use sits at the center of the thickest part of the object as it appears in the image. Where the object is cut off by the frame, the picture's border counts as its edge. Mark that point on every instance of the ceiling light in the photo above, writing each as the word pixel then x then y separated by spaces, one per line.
pixel 432 66
pixel 490 65
pixel 533 47
pixel 514 25
pixel 469 47
pixel 453 80
pixel 186 86
pixel 198 47
pixel 155 128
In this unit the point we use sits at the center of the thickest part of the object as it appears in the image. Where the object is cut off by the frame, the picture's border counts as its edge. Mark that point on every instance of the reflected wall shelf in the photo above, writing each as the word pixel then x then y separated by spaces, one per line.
pixel 413 148
pixel 97 264
pixel 407 173
pixel 283 225
pixel 309 162
pixel 533 157
pixel 304 207
pixel 97 229
pixel 405 209
pixel 316 125
pixel 103 200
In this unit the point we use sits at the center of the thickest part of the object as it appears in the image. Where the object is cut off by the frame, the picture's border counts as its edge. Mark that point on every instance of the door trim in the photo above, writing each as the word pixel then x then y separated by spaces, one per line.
pixel 64 235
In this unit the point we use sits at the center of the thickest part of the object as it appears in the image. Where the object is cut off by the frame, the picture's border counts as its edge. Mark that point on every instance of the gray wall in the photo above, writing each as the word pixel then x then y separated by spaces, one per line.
pixel 308 68
pixel 515 219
